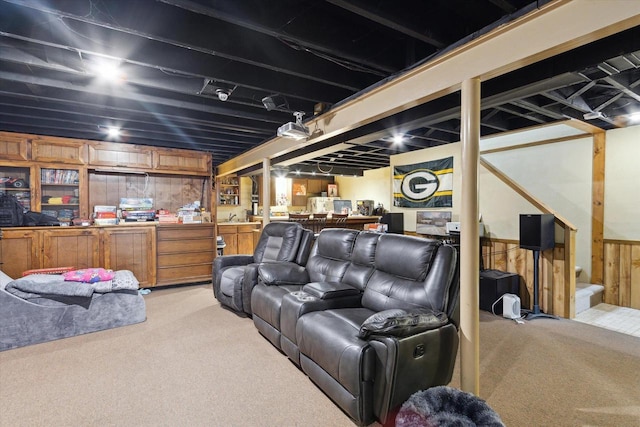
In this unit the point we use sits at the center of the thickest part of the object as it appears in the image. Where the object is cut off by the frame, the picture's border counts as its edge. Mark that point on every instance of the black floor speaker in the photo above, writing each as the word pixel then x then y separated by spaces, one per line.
pixel 537 231
pixel 494 284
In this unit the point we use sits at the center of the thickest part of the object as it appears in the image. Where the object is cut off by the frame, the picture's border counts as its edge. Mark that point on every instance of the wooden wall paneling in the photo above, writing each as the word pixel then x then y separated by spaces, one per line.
pixel 597 207
pixel 569 288
pixel 624 275
pixel 557 304
pixel 611 271
pixel 501 256
pixel 546 281
pixel 634 299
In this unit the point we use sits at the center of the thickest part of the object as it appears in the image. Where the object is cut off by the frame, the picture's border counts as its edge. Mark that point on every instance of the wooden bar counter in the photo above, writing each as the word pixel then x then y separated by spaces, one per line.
pixel 355 222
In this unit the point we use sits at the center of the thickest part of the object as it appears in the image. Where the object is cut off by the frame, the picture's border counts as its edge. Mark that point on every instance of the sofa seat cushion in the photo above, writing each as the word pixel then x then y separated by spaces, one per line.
pixel 330 339
pixel 266 302
pixel 231 279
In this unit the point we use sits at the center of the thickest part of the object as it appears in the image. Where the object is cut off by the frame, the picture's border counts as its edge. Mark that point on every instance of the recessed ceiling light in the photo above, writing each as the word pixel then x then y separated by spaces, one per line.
pixel 635 117
pixel 113 132
pixel 398 139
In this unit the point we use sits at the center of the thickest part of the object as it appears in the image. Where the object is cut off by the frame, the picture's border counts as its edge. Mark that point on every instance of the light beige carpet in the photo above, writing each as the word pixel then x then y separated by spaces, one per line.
pixel 193 363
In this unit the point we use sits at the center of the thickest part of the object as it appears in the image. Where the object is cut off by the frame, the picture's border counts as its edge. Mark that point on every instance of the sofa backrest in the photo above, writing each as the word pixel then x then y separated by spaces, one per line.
pixel 331 254
pixel 279 241
pixel 410 272
pixel 306 243
pixel 362 260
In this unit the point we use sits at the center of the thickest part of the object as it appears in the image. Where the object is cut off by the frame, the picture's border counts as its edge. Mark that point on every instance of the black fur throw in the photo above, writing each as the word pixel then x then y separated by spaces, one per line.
pixel 446 406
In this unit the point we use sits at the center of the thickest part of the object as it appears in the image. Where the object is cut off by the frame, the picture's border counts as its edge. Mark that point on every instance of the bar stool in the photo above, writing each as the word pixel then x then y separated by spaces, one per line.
pixel 339 219
pixel 303 219
pixel 319 222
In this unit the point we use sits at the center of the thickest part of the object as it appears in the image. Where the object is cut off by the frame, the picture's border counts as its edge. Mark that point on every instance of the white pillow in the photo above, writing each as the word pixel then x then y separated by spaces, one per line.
pixel 4 279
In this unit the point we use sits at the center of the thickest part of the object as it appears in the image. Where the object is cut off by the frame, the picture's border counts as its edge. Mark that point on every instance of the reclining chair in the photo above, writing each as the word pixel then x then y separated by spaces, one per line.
pixel 403 338
pixel 234 276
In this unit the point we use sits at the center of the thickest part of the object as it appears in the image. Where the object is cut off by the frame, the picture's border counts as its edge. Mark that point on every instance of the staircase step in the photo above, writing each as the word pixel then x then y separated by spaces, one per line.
pixel 587 296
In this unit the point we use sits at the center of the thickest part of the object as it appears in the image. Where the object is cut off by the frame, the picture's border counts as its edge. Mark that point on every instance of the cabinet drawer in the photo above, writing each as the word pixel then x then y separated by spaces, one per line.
pixel 173 246
pixel 227 229
pixel 184 274
pixel 171 260
pixel 185 232
pixel 248 228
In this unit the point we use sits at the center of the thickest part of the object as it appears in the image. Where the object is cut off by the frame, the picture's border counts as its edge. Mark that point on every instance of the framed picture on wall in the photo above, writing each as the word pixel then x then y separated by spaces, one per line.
pixel 432 222
pixel 332 190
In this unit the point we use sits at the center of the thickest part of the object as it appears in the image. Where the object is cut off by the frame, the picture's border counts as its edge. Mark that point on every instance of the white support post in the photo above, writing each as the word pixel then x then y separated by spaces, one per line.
pixel 470 240
pixel 266 190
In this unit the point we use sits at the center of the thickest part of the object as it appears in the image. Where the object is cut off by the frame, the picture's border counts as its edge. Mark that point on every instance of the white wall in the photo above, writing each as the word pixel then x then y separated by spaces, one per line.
pixel 374 185
pixel 557 174
pixel 622 184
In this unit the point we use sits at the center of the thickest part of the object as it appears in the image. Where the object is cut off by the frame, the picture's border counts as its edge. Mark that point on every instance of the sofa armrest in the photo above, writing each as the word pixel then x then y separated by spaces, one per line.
pixel 330 290
pixel 224 261
pixel 282 273
pixel 402 323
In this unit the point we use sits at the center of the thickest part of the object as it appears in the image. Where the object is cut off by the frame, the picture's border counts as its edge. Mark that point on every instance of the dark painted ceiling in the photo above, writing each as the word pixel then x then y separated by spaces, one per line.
pixel 176 56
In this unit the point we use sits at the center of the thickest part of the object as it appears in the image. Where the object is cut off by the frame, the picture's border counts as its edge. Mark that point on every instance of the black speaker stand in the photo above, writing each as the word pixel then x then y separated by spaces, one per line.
pixel 536 313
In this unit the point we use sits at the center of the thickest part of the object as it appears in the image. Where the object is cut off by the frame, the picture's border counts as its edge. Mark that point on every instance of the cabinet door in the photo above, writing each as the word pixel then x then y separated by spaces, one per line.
pixel 299 192
pixel 120 155
pixel 76 247
pixel 13 147
pixel 185 162
pixel 245 243
pixel 19 251
pixel 58 150
pixel 230 235
pixel 317 186
pixel 131 248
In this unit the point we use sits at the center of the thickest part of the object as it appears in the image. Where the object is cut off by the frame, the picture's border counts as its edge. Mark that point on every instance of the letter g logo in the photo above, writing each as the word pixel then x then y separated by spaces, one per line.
pixel 419 185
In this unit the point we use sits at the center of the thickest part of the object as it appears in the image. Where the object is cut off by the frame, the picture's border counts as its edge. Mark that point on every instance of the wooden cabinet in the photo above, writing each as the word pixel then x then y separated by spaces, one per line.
pixel 60 193
pixel 19 251
pixel 185 253
pixel 77 247
pixel 240 238
pixel 131 248
pixel 17 182
pixel 113 155
pixel 182 161
pixel 58 150
pixel 13 147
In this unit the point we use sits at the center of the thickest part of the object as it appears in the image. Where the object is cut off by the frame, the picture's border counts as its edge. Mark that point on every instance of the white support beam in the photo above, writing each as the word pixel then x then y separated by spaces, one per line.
pixel 556 27
pixel 470 240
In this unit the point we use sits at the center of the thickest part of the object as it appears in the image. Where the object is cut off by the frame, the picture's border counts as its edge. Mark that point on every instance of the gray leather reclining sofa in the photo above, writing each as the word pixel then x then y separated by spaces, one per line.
pixel 370 318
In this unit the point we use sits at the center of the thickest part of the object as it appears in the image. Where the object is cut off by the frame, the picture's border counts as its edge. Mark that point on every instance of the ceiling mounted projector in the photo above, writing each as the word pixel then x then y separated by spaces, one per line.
pixel 297 130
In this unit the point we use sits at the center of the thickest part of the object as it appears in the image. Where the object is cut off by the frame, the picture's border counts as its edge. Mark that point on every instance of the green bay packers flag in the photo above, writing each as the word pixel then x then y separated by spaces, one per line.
pixel 424 185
